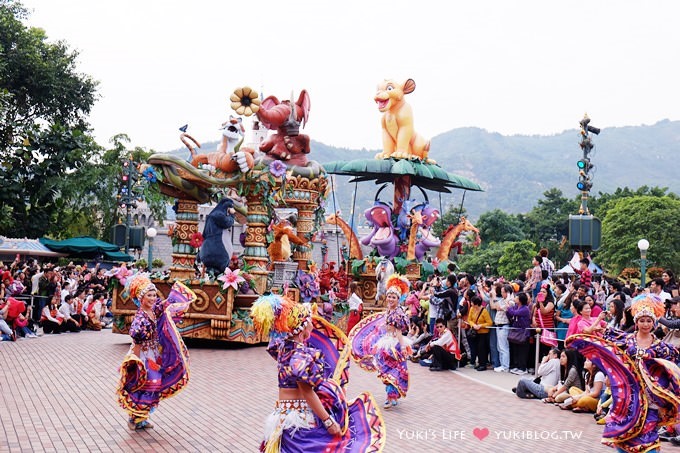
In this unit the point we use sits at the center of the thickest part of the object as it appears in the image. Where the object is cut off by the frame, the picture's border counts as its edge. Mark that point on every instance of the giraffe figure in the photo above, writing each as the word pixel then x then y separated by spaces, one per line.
pixel 450 237
pixel 354 246
pixel 416 221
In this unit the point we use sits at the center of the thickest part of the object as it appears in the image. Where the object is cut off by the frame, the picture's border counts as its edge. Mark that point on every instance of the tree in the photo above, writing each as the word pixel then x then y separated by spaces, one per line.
pixel 516 258
pixel 633 218
pixel 499 226
pixel 548 222
pixel 604 201
pixel 450 217
pixel 475 262
pixel 44 137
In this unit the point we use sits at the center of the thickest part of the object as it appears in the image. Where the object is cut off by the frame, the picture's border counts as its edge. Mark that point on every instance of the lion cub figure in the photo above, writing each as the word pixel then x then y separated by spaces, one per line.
pixel 400 140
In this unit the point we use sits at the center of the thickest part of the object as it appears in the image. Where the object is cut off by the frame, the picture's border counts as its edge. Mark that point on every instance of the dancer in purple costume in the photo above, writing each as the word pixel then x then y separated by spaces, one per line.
pixel 379 345
pixel 157 364
pixel 644 376
pixel 312 414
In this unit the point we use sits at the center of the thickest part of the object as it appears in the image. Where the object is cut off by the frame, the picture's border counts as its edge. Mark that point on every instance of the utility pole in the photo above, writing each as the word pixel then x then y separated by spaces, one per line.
pixel 585 230
pixel 584 165
pixel 126 195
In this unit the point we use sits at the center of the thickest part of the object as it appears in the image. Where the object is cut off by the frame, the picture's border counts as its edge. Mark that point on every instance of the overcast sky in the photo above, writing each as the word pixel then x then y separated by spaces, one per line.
pixel 514 67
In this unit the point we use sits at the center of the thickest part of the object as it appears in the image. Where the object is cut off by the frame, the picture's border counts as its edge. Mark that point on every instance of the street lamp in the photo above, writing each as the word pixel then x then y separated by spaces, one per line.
pixel 151 233
pixel 488 270
pixel 643 245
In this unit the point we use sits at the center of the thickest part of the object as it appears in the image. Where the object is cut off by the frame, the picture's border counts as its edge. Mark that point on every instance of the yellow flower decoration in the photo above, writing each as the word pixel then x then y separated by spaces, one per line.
pixel 245 101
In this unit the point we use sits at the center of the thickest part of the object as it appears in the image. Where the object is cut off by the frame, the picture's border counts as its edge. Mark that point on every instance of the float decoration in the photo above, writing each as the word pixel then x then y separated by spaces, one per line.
pixel 275 173
pixel 401 230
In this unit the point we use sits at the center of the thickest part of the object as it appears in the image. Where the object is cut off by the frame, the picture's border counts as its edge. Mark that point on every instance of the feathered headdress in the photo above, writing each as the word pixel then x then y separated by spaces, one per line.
pixel 138 286
pixel 397 284
pixel 647 305
pixel 277 315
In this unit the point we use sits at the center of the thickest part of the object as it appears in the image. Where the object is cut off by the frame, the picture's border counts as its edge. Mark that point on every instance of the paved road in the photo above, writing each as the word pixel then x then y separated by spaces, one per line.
pixel 57 394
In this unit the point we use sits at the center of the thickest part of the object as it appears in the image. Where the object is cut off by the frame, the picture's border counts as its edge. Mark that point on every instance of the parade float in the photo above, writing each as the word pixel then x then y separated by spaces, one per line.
pixel 277 189
pixel 401 237
pixel 280 193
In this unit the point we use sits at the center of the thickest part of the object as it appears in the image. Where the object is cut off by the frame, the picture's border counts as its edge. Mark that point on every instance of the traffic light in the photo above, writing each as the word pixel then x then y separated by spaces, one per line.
pixel 584 185
pixel 584 165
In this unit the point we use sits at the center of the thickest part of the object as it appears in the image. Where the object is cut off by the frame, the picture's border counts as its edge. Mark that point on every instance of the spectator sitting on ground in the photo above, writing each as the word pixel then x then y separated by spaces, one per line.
pixel 94 312
pixel 549 374
pixel 586 400
pixel 21 327
pixel 419 336
pixel 51 318
pixel 5 330
pixel 604 403
pixel 445 352
pixel 69 324
pixel 571 375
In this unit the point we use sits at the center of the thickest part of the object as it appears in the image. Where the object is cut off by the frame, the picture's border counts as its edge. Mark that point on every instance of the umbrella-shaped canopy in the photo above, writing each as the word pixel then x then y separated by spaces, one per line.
pixel 424 175
pixel 85 245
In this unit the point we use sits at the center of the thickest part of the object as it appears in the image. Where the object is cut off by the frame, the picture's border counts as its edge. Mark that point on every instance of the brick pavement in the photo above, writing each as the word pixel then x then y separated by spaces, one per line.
pixel 57 394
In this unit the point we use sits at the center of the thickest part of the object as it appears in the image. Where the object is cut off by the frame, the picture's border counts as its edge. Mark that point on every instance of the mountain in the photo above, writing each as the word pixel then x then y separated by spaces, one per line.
pixel 515 170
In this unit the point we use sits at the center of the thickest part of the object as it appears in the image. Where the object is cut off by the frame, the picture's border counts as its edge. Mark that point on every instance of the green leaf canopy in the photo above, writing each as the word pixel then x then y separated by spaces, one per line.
pixel 424 175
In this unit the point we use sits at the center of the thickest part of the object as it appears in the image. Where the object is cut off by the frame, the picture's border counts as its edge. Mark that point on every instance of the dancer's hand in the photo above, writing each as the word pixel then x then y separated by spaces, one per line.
pixel 334 429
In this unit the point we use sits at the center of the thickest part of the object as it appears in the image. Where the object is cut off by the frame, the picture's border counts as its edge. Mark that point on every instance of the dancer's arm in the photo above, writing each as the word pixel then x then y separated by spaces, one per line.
pixel 315 404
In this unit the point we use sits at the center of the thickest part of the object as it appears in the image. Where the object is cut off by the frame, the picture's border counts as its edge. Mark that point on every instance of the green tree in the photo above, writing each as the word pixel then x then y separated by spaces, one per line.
pixel 516 258
pixel 476 260
pixel 604 201
pixel 450 217
pixel 44 137
pixel 633 218
pixel 547 224
pixel 499 226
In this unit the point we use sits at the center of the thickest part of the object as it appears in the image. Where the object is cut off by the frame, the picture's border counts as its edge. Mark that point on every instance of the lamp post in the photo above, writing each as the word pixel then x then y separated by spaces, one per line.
pixel 151 233
pixel 643 245
pixel 488 270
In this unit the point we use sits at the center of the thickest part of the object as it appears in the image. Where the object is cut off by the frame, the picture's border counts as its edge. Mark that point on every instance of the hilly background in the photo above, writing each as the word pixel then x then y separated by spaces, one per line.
pixel 514 171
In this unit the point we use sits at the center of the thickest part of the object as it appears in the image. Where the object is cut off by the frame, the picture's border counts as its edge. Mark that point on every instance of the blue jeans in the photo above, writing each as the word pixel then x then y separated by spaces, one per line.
pixel 493 348
pixel 503 346
pixel 527 387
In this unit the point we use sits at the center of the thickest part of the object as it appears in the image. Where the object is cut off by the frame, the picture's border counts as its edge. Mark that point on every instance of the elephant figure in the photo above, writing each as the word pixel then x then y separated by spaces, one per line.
pixel 425 238
pixel 383 237
pixel 285 117
pixel 213 254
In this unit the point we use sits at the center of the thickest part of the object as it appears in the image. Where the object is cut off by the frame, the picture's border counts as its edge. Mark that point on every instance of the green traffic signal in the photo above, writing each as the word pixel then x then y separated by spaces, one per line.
pixel 584 164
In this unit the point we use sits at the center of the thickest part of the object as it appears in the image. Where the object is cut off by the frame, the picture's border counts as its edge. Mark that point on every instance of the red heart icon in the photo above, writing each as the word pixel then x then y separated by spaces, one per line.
pixel 480 433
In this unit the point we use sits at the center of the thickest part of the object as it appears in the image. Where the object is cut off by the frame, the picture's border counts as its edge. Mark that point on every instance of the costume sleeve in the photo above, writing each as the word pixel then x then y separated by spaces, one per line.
pixel 140 329
pixel 306 367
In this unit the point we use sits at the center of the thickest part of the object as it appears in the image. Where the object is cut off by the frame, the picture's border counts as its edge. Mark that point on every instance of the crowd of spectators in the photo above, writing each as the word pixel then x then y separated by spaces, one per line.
pixel 37 299
pixel 519 326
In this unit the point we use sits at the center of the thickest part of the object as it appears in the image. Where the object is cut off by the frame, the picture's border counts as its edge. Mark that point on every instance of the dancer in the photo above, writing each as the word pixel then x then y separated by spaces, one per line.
pixel 157 364
pixel 644 377
pixel 311 413
pixel 378 344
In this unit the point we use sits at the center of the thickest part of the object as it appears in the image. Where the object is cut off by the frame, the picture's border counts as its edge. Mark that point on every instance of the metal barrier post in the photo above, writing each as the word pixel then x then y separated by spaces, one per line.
pixel 537 359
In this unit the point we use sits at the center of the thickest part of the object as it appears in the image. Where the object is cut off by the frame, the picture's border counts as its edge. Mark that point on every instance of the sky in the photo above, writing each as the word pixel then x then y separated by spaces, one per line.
pixel 513 67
